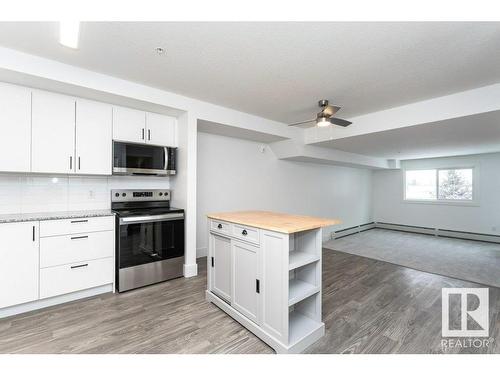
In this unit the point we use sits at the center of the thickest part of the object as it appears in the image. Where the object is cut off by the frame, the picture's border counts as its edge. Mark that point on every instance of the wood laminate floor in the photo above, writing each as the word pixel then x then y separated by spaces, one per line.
pixel 369 306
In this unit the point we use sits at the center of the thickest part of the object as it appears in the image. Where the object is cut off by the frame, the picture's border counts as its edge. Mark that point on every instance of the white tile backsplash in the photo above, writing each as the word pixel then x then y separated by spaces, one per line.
pixel 26 193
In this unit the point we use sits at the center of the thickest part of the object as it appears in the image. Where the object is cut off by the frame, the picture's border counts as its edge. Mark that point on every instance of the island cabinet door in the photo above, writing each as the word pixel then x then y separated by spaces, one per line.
pixel 246 280
pixel 220 266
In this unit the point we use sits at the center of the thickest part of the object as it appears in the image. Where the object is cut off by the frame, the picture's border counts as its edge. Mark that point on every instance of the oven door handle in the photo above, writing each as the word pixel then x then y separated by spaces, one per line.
pixel 151 218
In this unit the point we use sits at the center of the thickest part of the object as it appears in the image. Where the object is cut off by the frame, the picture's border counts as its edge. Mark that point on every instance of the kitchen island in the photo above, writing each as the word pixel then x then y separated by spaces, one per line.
pixel 264 270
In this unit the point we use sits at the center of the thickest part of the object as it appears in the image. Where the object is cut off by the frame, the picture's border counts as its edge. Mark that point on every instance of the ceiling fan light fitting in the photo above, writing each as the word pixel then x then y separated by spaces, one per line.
pixel 322 122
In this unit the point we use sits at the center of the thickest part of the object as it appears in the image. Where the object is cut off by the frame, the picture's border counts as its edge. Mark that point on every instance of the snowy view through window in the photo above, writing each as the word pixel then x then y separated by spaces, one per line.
pixel 439 184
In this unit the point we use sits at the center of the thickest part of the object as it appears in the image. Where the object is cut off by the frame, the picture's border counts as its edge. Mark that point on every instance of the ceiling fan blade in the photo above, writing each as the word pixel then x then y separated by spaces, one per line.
pixel 302 122
pixel 339 122
pixel 330 110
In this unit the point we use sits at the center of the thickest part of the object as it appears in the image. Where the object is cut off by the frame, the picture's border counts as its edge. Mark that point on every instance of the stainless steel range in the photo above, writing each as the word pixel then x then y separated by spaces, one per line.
pixel 149 238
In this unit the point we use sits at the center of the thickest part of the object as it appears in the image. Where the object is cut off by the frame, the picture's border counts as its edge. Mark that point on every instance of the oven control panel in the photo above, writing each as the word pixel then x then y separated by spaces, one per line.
pixel 137 195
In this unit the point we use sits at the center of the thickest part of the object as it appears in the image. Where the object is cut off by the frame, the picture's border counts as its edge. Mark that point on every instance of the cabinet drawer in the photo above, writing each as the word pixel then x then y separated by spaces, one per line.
pixel 246 233
pixel 58 250
pixel 69 278
pixel 220 226
pixel 76 225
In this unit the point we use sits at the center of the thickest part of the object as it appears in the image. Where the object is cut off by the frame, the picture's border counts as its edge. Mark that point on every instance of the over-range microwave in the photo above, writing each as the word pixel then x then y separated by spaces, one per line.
pixel 141 159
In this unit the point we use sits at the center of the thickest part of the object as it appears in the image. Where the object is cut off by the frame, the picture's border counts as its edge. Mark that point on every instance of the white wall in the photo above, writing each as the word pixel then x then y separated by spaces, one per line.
pixel 388 204
pixel 234 175
pixel 23 193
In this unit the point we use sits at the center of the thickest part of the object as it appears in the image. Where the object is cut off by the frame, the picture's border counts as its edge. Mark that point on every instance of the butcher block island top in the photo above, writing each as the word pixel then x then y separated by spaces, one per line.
pixel 274 221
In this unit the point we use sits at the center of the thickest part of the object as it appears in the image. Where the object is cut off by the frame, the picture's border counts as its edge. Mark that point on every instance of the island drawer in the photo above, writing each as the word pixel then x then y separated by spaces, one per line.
pixel 246 233
pixel 58 250
pixel 220 226
pixel 76 225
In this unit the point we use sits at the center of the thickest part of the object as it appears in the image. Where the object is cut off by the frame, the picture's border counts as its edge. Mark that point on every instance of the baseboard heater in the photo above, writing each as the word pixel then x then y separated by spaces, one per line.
pixel 352 230
pixel 417 229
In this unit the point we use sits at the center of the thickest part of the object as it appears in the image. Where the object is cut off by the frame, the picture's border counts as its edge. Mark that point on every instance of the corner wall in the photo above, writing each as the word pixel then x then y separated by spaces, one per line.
pixel 389 206
pixel 233 174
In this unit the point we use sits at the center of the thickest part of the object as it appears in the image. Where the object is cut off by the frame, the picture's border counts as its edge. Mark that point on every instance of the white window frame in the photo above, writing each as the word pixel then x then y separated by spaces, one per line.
pixel 454 202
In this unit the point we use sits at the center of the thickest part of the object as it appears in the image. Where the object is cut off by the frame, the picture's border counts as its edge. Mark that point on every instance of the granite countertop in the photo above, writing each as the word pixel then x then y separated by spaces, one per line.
pixel 40 216
pixel 274 221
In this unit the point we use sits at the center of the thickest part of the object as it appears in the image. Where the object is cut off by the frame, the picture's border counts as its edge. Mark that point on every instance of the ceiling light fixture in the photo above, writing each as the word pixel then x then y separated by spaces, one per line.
pixel 69 31
pixel 323 122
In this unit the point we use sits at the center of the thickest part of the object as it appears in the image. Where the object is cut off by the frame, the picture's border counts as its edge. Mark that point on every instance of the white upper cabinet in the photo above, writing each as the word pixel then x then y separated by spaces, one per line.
pixel 93 138
pixel 53 133
pixel 15 127
pixel 161 129
pixel 19 266
pixel 129 125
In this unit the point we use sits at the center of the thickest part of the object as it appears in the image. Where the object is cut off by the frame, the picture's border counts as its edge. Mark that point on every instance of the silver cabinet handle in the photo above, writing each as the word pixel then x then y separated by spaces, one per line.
pixel 142 133
pixel 149 134
pixel 71 162
pixel 78 163
pixel 79 221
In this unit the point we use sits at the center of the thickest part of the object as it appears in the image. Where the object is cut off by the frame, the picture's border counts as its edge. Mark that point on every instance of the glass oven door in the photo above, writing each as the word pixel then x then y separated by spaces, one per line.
pixel 146 239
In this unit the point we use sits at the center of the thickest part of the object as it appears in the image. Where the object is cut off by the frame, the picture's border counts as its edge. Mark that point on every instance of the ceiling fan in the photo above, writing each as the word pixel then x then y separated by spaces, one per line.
pixel 326 116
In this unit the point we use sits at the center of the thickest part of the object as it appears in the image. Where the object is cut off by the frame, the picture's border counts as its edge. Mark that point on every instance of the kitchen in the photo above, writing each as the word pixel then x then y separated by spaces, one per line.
pixel 231 188
pixel 136 238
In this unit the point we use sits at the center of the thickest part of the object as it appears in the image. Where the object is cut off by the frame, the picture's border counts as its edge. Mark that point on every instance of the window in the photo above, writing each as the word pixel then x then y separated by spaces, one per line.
pixel 439 184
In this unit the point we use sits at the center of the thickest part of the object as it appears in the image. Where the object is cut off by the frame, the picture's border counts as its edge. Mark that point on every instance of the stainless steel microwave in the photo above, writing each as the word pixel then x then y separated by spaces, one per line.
pixel 141 159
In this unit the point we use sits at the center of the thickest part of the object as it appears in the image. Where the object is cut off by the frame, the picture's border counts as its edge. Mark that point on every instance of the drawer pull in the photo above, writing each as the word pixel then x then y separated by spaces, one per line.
pixel 219 226
pixel 80 238
pixel 79 221
pixel 244 232
pixel 80 266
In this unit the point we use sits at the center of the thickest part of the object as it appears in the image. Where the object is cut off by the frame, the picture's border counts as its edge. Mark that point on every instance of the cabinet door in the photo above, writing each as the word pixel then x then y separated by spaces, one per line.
pixel 161 130
pixel 246 280
pixel 93 138
pixel 15 127
pixel 129 125
pixel 221 266
pixel 19 263
pixel 53 133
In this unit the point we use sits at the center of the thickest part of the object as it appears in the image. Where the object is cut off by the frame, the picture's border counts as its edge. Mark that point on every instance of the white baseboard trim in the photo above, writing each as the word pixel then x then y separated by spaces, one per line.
pixel 440 232
pixel 418 229
pixel 201 252
pixel 47 302
pixel 190 270
pixel 352 230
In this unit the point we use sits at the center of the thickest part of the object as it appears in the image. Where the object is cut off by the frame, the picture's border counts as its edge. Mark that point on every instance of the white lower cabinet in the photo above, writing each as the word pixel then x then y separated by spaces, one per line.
pixel 68 249
pixel 54 258
pixel 18 263
pixel 246 280
pixel 220 265
pixel 69 278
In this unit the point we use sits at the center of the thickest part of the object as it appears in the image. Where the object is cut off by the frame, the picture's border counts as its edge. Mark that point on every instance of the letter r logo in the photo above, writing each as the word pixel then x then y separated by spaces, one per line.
pixel 465 312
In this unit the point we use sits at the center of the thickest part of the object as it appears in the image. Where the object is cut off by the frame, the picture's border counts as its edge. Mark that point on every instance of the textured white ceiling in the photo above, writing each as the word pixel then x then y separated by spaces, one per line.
pixel 280 70
pixel 476 134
